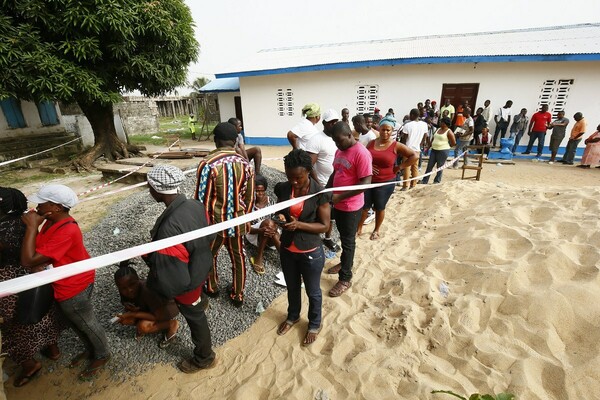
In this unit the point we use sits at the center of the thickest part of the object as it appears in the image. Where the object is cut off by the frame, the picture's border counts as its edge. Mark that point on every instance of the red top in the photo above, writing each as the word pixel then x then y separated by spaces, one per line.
pixel 63 244
pixel 296 211
pixel 540 121
pixel 384 160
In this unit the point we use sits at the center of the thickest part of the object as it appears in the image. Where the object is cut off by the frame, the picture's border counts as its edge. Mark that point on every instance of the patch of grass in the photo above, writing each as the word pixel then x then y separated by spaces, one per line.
pixel 19 177
pixel 169 127
pixel 477 396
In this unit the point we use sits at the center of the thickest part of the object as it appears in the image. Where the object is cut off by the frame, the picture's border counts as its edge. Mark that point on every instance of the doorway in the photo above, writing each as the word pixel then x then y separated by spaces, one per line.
pixel 237 100
pixel 459 92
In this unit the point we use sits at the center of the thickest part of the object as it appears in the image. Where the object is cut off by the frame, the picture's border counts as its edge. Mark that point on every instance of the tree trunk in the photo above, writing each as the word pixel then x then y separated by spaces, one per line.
pixel 106 142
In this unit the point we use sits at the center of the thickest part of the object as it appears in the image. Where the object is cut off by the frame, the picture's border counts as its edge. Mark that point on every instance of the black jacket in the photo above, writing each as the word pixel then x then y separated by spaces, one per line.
pixel 181 268
pixel 302 240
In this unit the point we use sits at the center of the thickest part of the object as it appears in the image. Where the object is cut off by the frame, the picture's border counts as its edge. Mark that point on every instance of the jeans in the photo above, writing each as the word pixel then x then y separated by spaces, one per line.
pixel 461 145
pixel 540 136
pixel 517 140
pixel 436 158
pixel 569 155
pixel 196 320
pixel 297 267
pixel 79 312
pixel 347 225
pixel 500 129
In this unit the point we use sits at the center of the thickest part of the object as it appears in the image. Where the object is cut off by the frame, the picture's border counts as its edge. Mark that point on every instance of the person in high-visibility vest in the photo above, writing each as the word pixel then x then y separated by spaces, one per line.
pixel 192 125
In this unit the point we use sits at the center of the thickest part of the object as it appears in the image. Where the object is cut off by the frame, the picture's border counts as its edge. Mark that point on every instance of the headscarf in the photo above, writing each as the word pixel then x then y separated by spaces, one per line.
pixel 311 110
pixel 12 201
pixel 388 120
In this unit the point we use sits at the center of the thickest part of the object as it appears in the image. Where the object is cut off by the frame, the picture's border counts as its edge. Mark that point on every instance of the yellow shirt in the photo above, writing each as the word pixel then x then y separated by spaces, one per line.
pixel 578 128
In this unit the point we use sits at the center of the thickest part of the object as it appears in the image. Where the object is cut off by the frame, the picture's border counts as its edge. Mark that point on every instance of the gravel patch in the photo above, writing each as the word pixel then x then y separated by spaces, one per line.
pixel 133 218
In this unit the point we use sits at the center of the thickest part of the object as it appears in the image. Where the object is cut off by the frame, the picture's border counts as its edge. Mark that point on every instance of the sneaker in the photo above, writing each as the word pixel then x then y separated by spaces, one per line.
pixel 550 162
pixel 369 219
pixel 535 159
pixel 331 245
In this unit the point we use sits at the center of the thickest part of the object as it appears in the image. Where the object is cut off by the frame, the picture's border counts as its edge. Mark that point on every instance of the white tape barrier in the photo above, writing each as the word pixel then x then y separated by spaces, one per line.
pixel 126 188
pixel 131 169
pixel 26 282
pixel 40 152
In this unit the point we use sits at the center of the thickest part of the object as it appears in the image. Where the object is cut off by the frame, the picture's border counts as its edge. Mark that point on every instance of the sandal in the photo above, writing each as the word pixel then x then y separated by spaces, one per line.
pixel 335 269
pixel 75 362
pixel 24 379
pixel 258 268
pixel 49 354
pixel 311 336
pixel 93 369
pixel 339 288
pixel 285 326
pixel 166 341
pixel 374 236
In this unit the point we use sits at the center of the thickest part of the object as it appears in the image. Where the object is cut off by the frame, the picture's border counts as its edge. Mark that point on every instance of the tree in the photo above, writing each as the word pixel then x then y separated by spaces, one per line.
pixel 197 85
pixel 91 51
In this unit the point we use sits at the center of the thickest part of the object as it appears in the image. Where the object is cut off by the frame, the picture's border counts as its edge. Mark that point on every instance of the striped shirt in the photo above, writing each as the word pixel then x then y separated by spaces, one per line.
pixel 225 184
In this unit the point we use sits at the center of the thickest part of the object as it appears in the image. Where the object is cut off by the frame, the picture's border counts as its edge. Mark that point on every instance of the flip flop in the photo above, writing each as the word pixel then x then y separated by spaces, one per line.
pixel 167 341
pixel 258 268
pixel 310 332
pixel 285 326
pixel 374 236
pixel 92 372
pixel 79 358
pixel 23 380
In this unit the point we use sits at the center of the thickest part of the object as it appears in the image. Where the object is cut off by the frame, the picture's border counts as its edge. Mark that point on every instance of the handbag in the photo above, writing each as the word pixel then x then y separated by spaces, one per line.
pixel 34 304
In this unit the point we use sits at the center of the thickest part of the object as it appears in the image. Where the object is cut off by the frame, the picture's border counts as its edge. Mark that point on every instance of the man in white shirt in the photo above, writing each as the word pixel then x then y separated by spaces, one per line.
pixel 487 111
pixel 415 131
pixel 502 119
pixel 301 133
pixel 321 149
pixel 361 132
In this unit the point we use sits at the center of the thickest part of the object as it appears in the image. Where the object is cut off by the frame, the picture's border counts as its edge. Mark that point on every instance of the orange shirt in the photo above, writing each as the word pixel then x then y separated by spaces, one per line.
pixel 578 128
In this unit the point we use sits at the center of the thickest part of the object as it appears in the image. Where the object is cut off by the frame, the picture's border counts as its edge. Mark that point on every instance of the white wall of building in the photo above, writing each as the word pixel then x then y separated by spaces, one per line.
pixel 227 105
pixel 401 87
pixel 33 121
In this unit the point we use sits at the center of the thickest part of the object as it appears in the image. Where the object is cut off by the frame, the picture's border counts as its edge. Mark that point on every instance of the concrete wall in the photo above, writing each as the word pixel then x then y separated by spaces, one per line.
pixel 33 121
pixel 227 105
pixel 139 117
pixel 402 86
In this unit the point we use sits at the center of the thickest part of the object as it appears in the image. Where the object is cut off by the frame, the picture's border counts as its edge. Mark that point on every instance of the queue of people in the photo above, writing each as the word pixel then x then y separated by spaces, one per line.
pixel 182 277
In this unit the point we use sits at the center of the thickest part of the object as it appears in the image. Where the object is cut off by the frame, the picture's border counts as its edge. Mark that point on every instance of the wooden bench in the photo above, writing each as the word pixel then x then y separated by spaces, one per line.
pixel 473 162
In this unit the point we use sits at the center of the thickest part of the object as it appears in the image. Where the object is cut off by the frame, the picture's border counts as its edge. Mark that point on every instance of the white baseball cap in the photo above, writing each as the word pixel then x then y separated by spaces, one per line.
pixel 330 115
pixel 58 194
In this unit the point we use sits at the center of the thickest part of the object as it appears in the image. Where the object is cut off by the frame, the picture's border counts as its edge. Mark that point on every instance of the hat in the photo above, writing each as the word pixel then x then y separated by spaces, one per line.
pixel 434 102
pixel 388 120
pixel 58 194
pixel 330 115
pixel 376 110
pixel 165 179
pixel 311 110
pixel 225 131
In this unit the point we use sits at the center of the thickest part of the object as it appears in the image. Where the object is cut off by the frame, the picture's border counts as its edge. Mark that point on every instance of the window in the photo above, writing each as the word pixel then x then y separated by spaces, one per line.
pixel 285 102
pixel 555 93
pixel 11 108
pixel 47 113
pixel 366 98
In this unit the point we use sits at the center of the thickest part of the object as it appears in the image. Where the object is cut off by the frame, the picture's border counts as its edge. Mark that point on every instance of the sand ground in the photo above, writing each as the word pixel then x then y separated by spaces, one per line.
pixel 518 255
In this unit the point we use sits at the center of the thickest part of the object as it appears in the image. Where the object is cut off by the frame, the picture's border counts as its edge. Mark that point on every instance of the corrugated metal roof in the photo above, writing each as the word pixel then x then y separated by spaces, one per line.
pixel 573 42
pixel 222 85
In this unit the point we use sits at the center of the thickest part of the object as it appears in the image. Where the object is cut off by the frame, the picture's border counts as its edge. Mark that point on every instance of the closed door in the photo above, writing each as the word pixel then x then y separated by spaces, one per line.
pixel 238 108
pixel 459 92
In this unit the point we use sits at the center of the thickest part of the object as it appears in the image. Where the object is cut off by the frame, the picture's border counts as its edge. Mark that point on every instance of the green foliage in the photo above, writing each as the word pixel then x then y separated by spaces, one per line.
pixel 477 396
pixel 92 50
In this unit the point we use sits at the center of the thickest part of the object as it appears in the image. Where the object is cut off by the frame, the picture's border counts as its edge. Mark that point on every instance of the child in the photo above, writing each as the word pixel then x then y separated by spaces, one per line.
pixel 145 309
pixel 485 140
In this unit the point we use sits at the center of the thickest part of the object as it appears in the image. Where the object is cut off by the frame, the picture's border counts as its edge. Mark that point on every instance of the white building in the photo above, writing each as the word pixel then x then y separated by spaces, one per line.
pixel 554 65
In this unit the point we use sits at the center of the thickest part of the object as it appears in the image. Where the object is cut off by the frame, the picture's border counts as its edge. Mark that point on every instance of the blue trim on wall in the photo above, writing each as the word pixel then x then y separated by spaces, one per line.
pixel 220 91
pixel 417 60
pixel 267 141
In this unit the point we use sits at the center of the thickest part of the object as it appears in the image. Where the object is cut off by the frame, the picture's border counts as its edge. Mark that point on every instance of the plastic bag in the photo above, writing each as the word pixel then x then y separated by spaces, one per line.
pixel 34 304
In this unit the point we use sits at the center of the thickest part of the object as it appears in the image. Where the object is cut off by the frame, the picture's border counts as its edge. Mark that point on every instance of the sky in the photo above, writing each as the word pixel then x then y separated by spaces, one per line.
pixel 229 30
